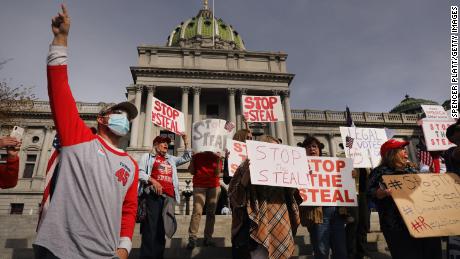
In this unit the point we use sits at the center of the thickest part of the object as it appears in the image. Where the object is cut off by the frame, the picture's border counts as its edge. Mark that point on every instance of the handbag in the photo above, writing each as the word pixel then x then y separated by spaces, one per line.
pixel 141 209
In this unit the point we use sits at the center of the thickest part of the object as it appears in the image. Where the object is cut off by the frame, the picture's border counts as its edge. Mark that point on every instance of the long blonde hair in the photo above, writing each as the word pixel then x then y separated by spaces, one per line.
pixel 392 160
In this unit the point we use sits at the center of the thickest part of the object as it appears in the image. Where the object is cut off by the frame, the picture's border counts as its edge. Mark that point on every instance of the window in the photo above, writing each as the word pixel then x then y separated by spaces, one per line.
pixel 29 166
pixel 212 110
pixel 3 157
pixel 17 208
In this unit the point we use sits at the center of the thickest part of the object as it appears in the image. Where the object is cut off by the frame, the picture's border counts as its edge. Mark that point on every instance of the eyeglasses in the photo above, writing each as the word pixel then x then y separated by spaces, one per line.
pixel 312 147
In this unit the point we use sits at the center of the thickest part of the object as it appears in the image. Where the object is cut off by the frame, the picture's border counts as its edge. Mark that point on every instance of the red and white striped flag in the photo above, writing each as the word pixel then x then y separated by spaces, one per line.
pixel 424 157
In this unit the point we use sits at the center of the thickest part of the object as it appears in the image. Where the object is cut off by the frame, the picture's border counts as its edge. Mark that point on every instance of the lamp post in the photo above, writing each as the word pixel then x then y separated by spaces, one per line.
pixel 187 193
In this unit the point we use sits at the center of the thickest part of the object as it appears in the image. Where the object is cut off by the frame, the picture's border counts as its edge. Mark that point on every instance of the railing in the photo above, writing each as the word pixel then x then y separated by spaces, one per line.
pixel 44 106
pixel 364 117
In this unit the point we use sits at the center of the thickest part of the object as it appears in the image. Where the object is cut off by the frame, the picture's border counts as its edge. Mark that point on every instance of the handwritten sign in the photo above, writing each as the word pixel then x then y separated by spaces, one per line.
pixel 435 112
pixel 363 145
pixel 435 134
pixel 277 165
pixel 428 203
pixel 167 117
pixel 210 135
pixel 237 155
pixel 262 108
pixel 332 182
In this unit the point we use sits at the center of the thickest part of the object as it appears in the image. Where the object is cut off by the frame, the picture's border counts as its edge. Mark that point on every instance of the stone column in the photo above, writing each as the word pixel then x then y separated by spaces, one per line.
pixel 279 129
pixel 272 128
pixel 196 104
pixel 148 117
pixel 135 124
pixel 231 105
pixel 243 91
pixel 332 151
pixel 184 109
pixel 288 118
pixel 43 159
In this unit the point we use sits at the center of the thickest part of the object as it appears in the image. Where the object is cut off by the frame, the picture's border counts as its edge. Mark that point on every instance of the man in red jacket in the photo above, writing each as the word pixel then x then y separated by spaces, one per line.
pixel 94 204
pixel 9 171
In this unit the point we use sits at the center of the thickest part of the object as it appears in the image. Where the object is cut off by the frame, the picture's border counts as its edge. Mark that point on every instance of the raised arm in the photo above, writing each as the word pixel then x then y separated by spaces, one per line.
pixel 70 127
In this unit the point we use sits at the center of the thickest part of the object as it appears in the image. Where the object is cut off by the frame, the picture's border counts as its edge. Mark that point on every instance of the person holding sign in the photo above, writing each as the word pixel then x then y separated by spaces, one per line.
pixel 326 224
pixel 264 218
pixel 160 186
pixel 9 171
pixel 206 168
pixel 93 210
pixel 241 135
pixel 401 244
pixel 452 155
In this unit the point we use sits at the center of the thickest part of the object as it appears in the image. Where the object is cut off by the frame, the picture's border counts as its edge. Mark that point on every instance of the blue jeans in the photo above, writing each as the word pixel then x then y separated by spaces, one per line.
pixel 329 235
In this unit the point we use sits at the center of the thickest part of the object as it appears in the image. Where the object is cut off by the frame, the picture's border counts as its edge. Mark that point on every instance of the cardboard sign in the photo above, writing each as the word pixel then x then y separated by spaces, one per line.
pixel 435 134
pixel 277 165
pixel 167 117
pixel 363 145
pixel 210 135
pixel 262 108
pixel 428 203
pixel 435 112
pixel 332 182
pixel 237 155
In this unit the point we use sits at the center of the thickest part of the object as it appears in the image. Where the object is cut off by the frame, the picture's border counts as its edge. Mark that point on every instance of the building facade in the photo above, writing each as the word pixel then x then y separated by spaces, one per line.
pixel 203 70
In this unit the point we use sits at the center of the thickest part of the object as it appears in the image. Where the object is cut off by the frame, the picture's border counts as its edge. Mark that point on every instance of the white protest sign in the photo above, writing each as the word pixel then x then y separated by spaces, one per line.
pixel 332 182
pixel 435 134
pixel 262 108
pixel 237 155
pixel 167 117
pixel 363 145
pixel 210 135
pixel 435 112
pixel 277 165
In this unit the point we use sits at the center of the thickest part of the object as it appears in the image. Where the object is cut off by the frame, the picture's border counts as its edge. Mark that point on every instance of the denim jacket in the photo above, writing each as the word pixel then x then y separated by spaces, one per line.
pixel 145 169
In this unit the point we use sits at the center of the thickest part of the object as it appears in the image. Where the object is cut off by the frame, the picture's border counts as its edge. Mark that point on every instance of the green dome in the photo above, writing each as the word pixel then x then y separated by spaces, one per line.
pixel 411 105
pixel 197 33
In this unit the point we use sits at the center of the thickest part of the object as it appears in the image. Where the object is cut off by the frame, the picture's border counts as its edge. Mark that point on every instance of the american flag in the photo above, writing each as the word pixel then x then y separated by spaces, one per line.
pixel 51 175
pixel 424 157
pixel 229 126
pixel 349 141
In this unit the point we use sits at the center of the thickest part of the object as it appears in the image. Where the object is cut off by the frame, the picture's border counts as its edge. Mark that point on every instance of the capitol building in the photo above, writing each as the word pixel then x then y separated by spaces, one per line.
pixel 204 76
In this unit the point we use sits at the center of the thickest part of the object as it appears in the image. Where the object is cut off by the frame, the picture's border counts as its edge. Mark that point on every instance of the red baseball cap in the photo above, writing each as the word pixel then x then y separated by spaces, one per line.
pixel 161 139
pixel 392 144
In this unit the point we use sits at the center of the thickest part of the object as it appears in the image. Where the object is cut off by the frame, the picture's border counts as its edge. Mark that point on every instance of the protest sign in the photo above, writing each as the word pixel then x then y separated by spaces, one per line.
pixel 428 203
pixel 167 117
pixel 331 181
pixel 435 112
pixel 237 155
pixel 210 135
pixel 262 108
pixel 363 145
pixel 277 165
pixel 435 134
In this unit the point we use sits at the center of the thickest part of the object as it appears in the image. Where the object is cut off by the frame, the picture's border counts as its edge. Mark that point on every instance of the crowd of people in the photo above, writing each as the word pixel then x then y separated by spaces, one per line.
pixel 99 191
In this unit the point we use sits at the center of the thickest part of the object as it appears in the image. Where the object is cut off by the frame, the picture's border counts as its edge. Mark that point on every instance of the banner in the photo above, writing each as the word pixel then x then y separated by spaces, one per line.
pixel 332 182
pixel 363 145
pixel 435 134
pixel 428 203
pixel 277 165
pixel 237 155
pixel 435 112
pixel 167 117
pixel 262 108
pixel 211 135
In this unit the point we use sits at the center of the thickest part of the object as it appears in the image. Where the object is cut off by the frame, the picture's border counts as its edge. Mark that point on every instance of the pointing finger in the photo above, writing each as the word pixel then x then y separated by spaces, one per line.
pixel 64 9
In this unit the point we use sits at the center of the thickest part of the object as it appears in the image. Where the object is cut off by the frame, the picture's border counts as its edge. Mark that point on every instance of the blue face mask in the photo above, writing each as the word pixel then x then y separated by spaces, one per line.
pixel 118 124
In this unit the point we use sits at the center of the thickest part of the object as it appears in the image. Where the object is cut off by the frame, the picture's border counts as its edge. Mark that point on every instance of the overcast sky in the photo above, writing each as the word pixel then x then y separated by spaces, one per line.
pixel 366 54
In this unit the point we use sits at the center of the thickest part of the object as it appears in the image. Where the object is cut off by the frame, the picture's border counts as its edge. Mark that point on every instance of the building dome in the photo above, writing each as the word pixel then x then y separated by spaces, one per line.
pixel 197 32
pixel 411 105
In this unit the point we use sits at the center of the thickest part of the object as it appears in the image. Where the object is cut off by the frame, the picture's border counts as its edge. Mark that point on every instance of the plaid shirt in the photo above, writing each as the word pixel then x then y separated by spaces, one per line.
pixel 273 213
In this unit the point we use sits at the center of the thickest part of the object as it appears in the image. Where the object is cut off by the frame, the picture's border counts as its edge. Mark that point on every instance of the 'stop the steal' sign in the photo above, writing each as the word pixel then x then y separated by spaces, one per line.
pixel 237 155
pixel 428 203
pixel 277 165
pixel 332 182
pixel 363 145
pixel 211 135
pixel 167 117
pixel 262 108
pixel 434 132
